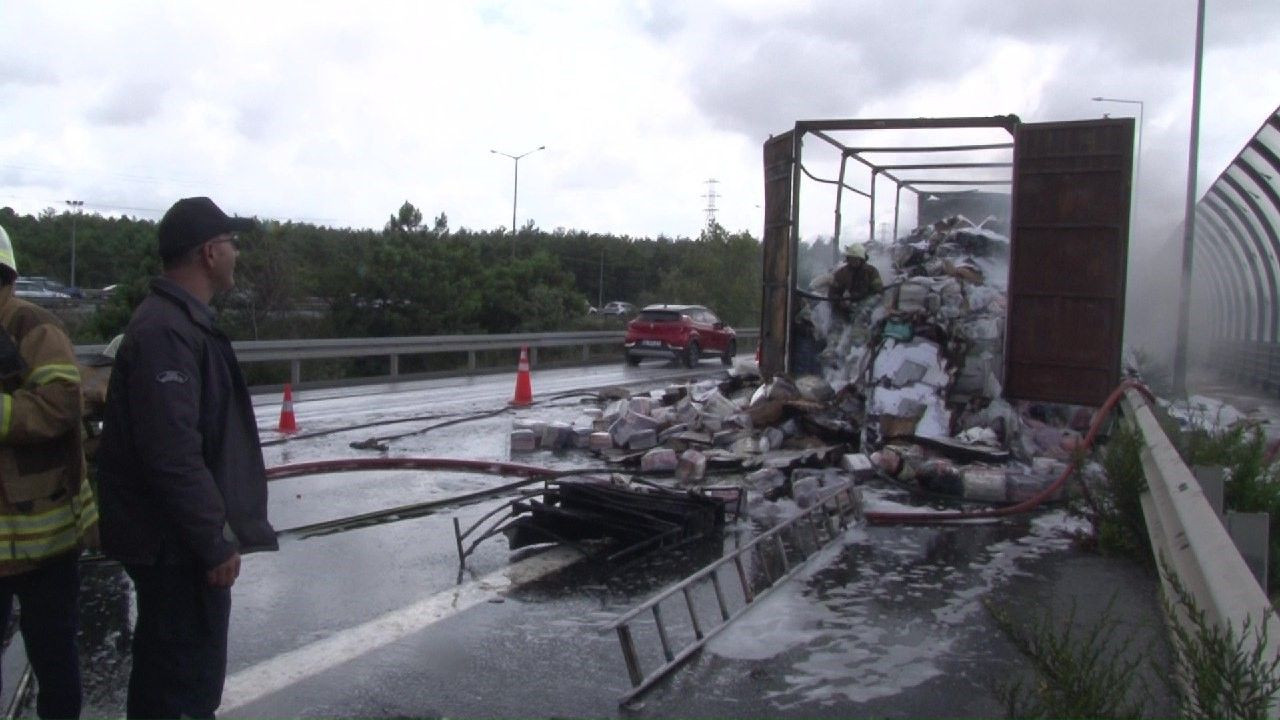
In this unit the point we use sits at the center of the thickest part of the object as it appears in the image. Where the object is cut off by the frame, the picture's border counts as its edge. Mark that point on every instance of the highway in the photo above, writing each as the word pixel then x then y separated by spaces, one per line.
pixel 373 621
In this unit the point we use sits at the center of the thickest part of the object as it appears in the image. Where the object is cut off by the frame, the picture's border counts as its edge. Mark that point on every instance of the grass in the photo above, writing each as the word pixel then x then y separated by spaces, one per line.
pixel 1218 672
pixel 1252 484
pixel 1079 672
pixel 1093 671
pixel 1113 508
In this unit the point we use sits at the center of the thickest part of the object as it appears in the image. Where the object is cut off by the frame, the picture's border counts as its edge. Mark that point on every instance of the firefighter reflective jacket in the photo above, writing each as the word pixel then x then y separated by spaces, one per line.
pixel 46 505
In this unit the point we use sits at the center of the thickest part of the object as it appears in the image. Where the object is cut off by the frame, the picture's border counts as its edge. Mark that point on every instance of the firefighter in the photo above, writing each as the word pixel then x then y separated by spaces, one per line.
pixel 853 281
pixel 47 509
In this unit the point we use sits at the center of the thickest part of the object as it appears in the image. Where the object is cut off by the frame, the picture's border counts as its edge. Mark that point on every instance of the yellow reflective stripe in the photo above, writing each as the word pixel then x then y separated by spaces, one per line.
pixel 86 521
pixel 46 374
pixel 33 537
pixel 85 507
pixel 6 414
pixel 41 547
pixel 49 521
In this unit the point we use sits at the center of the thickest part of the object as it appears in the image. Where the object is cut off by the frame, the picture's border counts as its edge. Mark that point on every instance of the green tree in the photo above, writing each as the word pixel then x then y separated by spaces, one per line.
pixel 303 280
pixel 407 219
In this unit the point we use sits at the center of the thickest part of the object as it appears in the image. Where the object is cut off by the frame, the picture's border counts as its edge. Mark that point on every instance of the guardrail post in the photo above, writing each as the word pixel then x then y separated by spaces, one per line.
pixel 471 360
pixel 533 356
pixel 395 364
pixel 295 372
pixel 586 352
pixel 1212 481
pixel 1250 531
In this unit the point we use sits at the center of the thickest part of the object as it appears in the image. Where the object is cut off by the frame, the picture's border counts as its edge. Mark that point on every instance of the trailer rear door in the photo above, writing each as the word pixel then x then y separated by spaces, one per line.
pixel 1069 233
pixel 779 252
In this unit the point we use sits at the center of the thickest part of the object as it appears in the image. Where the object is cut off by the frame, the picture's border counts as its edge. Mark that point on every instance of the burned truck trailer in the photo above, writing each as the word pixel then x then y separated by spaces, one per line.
pixel 1067 225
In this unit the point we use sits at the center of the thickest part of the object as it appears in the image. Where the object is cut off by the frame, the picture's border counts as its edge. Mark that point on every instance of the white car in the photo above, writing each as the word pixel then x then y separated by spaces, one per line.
pixel 617 307
pixel 36 289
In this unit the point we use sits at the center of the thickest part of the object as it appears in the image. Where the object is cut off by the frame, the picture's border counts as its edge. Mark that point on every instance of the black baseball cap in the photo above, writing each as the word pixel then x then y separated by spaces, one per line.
pixel 193 221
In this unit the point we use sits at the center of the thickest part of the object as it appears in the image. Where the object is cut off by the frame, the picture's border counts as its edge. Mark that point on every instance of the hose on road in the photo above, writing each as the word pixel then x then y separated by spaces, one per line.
pixel 531 473
pixel 348 428
pixel 492 467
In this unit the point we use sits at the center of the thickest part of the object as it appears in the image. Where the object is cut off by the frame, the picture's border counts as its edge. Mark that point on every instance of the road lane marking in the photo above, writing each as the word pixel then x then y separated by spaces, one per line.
pixel 257 681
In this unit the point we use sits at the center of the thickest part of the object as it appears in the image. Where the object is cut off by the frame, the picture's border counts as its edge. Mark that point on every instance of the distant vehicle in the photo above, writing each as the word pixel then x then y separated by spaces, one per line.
pixel 38 288
pixel 617 307
pixel 54 285
pixel 681 332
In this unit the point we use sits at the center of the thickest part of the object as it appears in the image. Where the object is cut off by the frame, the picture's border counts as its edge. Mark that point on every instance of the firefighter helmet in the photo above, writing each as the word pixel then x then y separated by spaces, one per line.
pixel 6 255
pixel 857 250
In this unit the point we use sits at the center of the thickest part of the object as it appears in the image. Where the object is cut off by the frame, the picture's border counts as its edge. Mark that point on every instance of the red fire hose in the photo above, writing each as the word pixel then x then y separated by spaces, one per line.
pixel 925 518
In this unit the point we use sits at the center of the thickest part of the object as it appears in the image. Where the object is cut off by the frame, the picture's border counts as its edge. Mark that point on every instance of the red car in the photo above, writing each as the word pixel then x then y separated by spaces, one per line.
pixel 683 332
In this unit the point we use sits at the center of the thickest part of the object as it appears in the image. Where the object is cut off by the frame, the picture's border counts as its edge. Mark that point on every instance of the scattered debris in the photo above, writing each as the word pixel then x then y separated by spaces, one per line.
pixel 1207 414
pixel 627 518
pixel 906 388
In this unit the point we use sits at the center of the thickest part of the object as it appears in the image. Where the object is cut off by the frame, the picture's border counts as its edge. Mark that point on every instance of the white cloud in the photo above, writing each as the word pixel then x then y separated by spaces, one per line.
pixel 334 112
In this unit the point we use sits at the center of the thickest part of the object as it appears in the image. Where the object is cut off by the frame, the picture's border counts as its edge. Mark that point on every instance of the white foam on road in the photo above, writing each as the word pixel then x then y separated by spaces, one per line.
pixel 258 681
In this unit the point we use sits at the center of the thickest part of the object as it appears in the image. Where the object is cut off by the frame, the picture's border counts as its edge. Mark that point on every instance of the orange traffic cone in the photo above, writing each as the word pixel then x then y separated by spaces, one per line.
pixel 288 424
pixel 524 391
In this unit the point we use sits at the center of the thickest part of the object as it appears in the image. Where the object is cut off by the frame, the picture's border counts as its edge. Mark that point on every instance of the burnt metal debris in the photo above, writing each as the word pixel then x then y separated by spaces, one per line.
pixel 639 517
pixel 604 518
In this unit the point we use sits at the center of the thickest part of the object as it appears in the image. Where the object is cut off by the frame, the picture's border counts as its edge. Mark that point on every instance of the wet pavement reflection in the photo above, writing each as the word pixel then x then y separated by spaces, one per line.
pixel 889 621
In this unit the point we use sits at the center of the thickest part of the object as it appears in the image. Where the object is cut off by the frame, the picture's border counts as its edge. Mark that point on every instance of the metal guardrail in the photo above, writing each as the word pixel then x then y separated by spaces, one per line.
pixel 1252 363
pixel 1188 536
pixel 296 351
pixel 843 501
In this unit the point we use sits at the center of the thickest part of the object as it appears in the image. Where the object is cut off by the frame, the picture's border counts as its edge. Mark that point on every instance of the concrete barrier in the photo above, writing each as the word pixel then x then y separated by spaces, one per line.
pixel 1187 534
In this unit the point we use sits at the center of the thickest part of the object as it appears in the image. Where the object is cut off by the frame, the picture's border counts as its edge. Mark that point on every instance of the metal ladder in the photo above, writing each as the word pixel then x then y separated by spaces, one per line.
pixel 828 516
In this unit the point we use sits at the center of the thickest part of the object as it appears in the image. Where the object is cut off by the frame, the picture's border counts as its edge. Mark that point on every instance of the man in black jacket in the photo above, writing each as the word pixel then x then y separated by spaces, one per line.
pixel 180 471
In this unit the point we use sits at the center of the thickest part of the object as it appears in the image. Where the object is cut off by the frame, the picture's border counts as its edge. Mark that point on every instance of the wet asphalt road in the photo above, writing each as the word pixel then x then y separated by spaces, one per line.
pixel 371 622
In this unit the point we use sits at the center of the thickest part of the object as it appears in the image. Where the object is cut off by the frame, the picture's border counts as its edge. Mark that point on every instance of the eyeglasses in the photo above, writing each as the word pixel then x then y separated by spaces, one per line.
pixel 233 239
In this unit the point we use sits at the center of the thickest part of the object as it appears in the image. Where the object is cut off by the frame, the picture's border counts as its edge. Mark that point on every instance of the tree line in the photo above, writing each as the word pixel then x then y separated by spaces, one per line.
pixel 299 280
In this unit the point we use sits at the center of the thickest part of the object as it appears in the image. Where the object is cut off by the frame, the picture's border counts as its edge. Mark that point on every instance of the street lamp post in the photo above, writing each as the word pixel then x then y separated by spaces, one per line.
pixel 1137 162
pixel 515 188
pixel 1189 217
pixel 76 205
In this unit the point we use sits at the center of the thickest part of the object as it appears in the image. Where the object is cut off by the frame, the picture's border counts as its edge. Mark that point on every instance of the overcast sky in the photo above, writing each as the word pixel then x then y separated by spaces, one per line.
pixel 337 112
